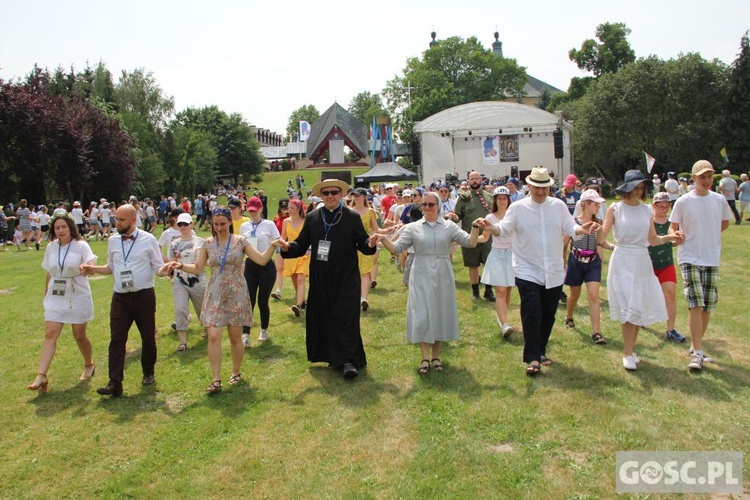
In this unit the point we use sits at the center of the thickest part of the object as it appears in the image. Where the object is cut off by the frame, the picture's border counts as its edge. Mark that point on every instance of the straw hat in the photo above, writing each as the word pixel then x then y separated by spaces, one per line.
pixel 539 177
pixel 343 186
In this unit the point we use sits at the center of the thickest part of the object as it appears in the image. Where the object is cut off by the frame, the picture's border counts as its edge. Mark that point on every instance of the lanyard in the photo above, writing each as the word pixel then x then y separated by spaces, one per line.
pixel 59 250
pixel 326 226
pixel 223 260
pixel 255 227
pixel 126 255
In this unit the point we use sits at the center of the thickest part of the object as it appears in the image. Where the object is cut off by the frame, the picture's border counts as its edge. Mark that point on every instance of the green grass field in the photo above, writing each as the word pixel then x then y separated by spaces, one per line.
pixel 481 428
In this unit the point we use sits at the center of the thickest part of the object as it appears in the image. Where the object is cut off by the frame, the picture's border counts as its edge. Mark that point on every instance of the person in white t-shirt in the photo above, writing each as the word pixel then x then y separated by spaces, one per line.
pixel 672 187
pixel 657 184
pixel 728 187
pixel 106 214
pixel 700 216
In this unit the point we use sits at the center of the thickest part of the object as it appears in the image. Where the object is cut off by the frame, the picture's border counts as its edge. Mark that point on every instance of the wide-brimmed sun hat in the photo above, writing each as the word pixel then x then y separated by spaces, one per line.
pixel 632 179
pixel 539 177
pixel 317 188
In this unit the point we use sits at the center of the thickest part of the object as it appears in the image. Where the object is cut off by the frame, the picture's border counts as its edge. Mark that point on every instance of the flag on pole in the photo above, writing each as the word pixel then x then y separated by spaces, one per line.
pixel 304 130
pixel 723 154
pixel 650 160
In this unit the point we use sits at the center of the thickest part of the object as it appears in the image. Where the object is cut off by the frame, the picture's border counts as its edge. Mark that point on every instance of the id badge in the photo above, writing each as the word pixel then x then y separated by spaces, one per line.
pixel 324 248
pixel 126 279
pixel 59 287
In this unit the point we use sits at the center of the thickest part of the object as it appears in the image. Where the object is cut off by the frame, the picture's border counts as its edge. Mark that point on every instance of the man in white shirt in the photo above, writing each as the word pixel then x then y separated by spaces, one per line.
pixel 537 224
pixel 701 215
pixel 672 187
pixel 132 258
pixel 728 187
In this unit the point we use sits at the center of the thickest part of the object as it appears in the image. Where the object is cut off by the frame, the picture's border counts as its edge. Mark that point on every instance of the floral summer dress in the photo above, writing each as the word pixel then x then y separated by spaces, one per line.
pixel 227 302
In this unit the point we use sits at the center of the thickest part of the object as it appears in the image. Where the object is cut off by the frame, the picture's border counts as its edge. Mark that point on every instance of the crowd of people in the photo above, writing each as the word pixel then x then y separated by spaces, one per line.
pixel 524 235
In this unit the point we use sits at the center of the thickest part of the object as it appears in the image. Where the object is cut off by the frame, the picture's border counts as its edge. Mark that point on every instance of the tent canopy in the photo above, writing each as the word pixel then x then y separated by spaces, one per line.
pixel 385 172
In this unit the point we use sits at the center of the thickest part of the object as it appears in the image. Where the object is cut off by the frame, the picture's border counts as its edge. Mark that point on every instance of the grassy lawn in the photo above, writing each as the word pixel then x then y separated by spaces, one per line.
pixel 481 428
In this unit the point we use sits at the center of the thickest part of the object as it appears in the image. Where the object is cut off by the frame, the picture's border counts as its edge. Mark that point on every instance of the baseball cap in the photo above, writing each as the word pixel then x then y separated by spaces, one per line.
pixel 513 180
pixel 407 192
pixel 234 203
pixel 184 218
pixel 254 204
pixel 570 180
pixel 591 195
pixel 701 167
pixel 661 196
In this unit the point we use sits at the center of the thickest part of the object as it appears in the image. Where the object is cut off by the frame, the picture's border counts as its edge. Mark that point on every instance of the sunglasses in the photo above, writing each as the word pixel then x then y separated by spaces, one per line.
pixel 182 224
pixel 330 193
pixel 429 204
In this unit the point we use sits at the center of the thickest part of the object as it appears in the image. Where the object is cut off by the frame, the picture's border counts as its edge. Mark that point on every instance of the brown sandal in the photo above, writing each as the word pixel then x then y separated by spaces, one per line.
pixel 214 387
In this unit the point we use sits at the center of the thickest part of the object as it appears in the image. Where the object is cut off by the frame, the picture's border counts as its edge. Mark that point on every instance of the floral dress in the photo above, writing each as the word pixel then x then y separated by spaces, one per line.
pixel 227 302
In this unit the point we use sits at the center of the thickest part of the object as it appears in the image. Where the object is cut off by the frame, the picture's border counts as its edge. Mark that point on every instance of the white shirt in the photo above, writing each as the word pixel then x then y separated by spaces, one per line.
pixel 537 230
pixel 446 206
pixel 265 232
pixel 77 214
pixel 700 219
pixel 673 188
pixel 143 260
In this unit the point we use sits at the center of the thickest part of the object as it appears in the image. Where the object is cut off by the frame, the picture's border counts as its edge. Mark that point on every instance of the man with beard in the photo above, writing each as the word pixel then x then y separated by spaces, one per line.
pixel 133 257
pixel 471 206
pixel 333 233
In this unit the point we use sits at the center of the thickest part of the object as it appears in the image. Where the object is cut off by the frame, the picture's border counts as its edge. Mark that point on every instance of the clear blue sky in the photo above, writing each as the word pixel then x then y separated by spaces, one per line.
pixel 266 59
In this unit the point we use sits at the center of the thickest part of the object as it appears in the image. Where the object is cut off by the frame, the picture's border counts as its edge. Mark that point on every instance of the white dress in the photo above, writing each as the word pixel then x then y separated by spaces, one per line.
pixel 633 289
pixel 498 270
pixel 68 299
pixel 431 313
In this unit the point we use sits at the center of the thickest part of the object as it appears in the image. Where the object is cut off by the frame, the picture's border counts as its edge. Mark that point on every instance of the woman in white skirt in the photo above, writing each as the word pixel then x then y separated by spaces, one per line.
pixel 634 293
pixel 498 270
pixel 67 298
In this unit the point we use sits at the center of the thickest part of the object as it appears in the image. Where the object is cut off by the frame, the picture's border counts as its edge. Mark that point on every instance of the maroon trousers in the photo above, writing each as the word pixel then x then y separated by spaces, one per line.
pixel 126 308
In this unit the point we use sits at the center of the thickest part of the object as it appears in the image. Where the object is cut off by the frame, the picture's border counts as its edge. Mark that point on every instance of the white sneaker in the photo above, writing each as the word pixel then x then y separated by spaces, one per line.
pixel 246 339
pixel 629 363
pixel 263 335
pixel 507 330
pixel 276 294
pixel 636 358
pixel 706 359
pixel 696 361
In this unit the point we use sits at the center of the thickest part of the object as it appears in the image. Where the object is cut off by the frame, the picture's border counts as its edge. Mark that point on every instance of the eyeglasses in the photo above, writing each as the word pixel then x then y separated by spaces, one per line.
pixel 330 193
pixel 183 224
pixel 429 204
pixel 442 191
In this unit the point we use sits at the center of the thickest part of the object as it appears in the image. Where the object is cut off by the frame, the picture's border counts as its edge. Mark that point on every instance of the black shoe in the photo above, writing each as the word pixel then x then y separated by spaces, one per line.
pixel 563 298
pixel 373 284
pixel 350 371
pixel 489 297
pixel 148 380
pixel 112 389
pixel 174 326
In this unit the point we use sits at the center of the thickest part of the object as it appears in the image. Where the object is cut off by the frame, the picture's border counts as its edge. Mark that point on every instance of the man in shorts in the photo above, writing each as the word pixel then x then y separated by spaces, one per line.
pixel 700 215
pixel 471 206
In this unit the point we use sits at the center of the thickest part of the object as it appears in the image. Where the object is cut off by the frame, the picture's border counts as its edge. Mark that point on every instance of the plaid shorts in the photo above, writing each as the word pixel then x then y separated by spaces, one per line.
pixel 699 285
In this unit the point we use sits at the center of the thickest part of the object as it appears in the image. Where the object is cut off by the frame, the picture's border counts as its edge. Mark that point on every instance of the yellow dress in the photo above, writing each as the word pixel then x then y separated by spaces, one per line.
pixel 300 265
pixel 366 262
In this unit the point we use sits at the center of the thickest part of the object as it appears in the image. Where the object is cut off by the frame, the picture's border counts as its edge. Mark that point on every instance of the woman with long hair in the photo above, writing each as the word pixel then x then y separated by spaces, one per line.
pixel 361 205
pixel 297 269
pixel 67 297
pixel 585 265
pixel 281 214
pixel 498 270
pixel 226 302
pixel 23 215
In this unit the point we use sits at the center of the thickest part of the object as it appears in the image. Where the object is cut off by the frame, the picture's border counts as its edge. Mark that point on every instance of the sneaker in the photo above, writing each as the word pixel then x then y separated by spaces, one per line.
pixel 636 358
pixel 674 336
pixel 696 361
pixel 706 359
pixel 628 362
pixel 489 297
pixel 474 296
pixel 296 310
pixel 246 339
pixel 364 304
pixel 563 298
pixel 303 305
pixel 277 294
pixel 373 284
pixel 263 335
pixel 507 330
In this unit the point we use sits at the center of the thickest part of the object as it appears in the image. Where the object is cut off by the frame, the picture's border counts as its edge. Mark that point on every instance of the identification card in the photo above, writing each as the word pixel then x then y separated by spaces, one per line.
pixel 324 248
pixel 126 279
pixel 59 287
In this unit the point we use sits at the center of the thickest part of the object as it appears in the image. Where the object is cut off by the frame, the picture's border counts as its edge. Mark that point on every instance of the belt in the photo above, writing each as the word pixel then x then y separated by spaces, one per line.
pixel 135 293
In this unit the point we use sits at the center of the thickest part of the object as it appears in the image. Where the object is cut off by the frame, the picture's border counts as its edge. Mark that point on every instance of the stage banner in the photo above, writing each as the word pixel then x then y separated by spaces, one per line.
pixel 509 148
pixel 491 150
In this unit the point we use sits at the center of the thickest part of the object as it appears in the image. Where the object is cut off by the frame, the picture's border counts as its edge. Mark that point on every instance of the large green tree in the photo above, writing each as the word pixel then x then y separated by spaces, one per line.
pixel 671 109
pixel 308 113
pixel 451 72
pixel 366 106
pixel 738 109
pixel 237 151
pixel 609 55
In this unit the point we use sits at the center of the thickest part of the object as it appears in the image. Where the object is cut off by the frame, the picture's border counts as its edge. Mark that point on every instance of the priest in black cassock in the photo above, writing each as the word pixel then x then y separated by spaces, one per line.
pixel 334 233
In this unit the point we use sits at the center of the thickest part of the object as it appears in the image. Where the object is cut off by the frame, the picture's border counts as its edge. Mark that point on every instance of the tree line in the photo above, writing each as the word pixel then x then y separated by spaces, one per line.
pixel 72 134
